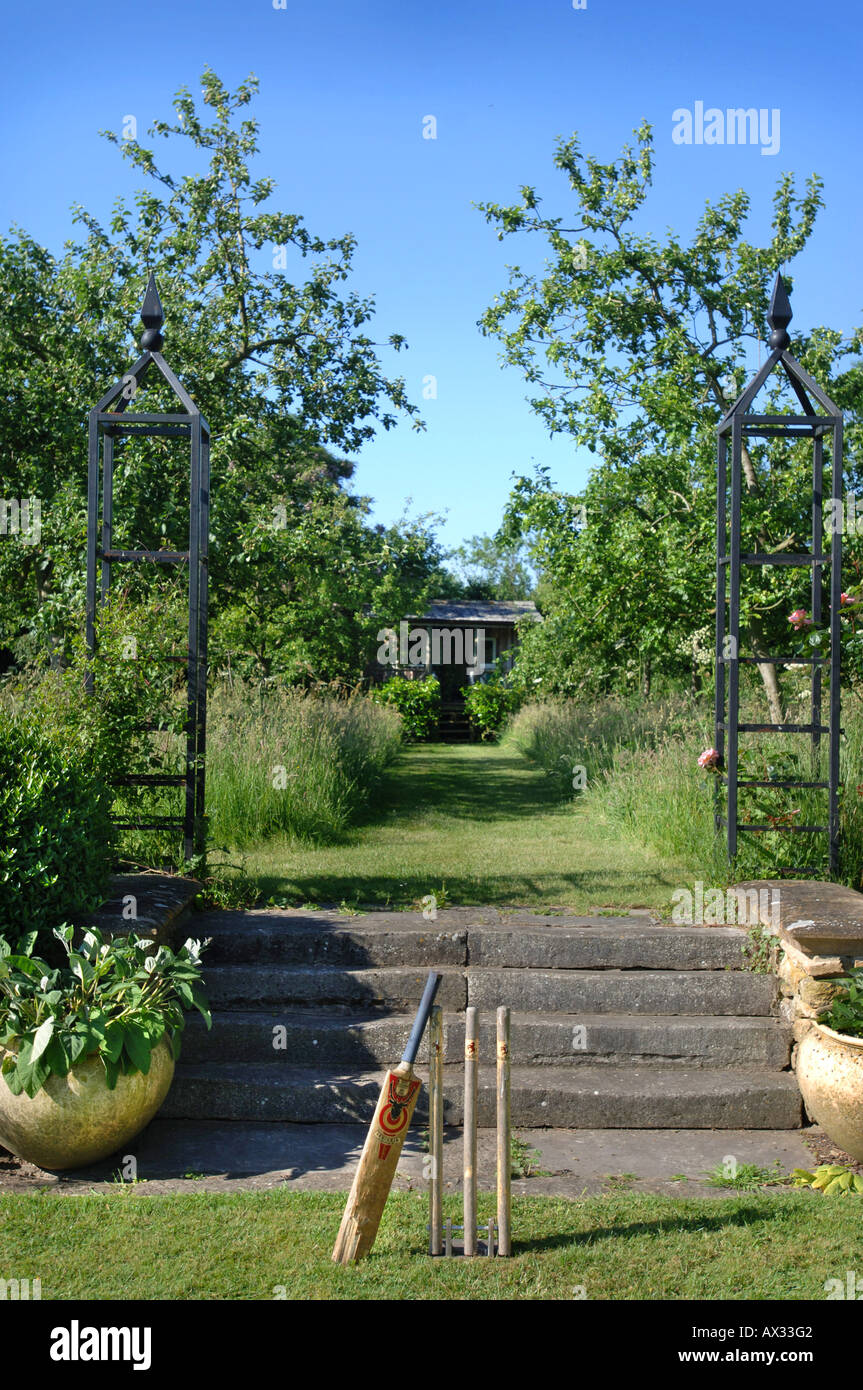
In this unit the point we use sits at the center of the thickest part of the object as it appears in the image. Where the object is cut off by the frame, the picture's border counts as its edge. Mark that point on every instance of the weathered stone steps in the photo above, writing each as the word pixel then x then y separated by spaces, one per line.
pixel 532 990
pixel 588 1097
pixel 617 1022
pixel 330 1038
pixel 389 939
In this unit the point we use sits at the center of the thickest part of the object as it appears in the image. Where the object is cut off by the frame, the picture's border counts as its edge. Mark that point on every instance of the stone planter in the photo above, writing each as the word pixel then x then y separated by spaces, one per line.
pixel 75 1119
pixel 830 1075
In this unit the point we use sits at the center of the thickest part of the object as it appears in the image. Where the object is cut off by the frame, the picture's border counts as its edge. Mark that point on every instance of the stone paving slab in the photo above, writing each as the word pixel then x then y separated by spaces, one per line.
pixel 445 919
pixel 258 937
pixel 623 944
pixel 275 985
pixel 732 992
pixel 824 919
pixel 208 1156
pixel 393 939
pixel 161 904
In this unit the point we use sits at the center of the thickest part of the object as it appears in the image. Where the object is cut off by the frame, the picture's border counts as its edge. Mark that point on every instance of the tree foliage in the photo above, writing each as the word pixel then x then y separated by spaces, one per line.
pixel 276 352
pixel 635 347
pixel 492 567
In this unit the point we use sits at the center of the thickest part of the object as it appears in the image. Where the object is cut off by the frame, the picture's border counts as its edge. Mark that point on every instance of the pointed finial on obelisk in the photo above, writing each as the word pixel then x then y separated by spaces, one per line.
pixel 151 317
pixel 779 315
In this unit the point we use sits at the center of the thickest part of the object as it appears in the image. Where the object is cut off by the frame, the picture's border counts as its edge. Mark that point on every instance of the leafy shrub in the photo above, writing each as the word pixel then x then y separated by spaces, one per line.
pixel 132 722
pixel 488 705
pixel 138 687
pixel 115 1000
pixel 417 701
pixel 55 836
pixel 845 1014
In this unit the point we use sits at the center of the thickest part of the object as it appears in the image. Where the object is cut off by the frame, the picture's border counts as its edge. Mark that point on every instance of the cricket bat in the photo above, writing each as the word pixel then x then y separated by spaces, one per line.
pixel 383 1146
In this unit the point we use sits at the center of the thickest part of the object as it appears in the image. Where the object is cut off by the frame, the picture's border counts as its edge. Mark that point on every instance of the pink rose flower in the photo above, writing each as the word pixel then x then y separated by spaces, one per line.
pixel 847 600
pixel 799 619
pixel 709 758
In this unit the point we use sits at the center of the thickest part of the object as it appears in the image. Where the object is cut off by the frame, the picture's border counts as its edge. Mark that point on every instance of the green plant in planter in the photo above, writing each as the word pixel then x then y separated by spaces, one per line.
pixel 845 1014
pixel 117 999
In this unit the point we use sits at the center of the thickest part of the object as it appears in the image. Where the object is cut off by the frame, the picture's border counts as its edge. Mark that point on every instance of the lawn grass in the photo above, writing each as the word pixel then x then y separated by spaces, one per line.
pixel 126 1245
pixel 481 821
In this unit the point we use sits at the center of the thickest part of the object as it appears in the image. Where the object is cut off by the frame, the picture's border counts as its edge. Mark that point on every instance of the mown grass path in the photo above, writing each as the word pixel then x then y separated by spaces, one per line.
pixel 479 822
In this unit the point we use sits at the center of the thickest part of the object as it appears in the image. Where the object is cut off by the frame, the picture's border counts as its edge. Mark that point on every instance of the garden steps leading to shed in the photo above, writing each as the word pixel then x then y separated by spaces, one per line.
pixel 617 1022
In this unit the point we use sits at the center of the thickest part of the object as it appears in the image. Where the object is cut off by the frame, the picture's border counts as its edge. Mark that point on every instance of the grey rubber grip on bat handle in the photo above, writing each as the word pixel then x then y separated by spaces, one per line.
pixel 422 1018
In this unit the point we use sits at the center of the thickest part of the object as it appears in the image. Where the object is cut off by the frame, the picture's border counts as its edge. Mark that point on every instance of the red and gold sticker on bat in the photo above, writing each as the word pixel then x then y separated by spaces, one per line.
pixel 394 1115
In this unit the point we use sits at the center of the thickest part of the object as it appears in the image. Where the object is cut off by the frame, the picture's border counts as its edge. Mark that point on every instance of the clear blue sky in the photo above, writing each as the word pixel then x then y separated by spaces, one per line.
pixel 344 89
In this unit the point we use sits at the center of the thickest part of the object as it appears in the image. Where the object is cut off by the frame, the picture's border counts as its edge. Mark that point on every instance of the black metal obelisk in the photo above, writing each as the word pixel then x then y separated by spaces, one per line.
pixel 821 425
pixel 112 418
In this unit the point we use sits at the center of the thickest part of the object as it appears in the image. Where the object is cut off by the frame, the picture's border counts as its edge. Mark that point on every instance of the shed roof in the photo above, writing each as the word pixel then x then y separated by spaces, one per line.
pixel 478 611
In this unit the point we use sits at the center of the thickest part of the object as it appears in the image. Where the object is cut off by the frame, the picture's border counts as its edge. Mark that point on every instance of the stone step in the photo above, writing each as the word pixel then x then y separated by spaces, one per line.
pixel 374 989
pixel 589 1097
pixel 259 937
pixel 624 991
pixel 193 1156
pixel 543 991
pixel 623 945
pixel 390 939
pixel 325 1039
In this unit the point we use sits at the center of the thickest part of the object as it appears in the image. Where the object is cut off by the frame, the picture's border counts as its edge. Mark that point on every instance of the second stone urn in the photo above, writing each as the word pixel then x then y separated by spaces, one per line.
pixel 830 1076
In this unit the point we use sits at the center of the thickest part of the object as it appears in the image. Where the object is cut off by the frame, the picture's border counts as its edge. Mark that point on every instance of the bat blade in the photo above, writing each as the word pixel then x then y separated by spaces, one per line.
pixel 377 1166
pixel 383 1146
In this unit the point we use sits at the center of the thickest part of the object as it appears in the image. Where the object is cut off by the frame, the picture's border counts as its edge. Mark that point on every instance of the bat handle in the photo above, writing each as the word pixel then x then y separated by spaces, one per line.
pixel 425 1008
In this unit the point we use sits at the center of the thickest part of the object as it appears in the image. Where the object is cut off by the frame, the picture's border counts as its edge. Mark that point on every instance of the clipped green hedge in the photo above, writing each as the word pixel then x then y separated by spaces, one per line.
pixel 54 829
pixel 417 701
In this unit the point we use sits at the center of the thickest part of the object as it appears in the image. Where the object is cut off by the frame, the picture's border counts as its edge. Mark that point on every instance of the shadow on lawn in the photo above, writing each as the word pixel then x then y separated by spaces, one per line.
pixel 490 890
pixel 477 788
pixel 663 1225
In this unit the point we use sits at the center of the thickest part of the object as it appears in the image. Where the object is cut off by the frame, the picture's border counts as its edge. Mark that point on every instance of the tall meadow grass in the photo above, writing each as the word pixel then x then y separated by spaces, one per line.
pixel 279 761
pixel 561 735
pixel 642 776
pixel 287 762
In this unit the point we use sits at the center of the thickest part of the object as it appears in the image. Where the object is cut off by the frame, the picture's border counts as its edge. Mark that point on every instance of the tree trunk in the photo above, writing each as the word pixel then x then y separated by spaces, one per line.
pixel 695 674
pixel 767 672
